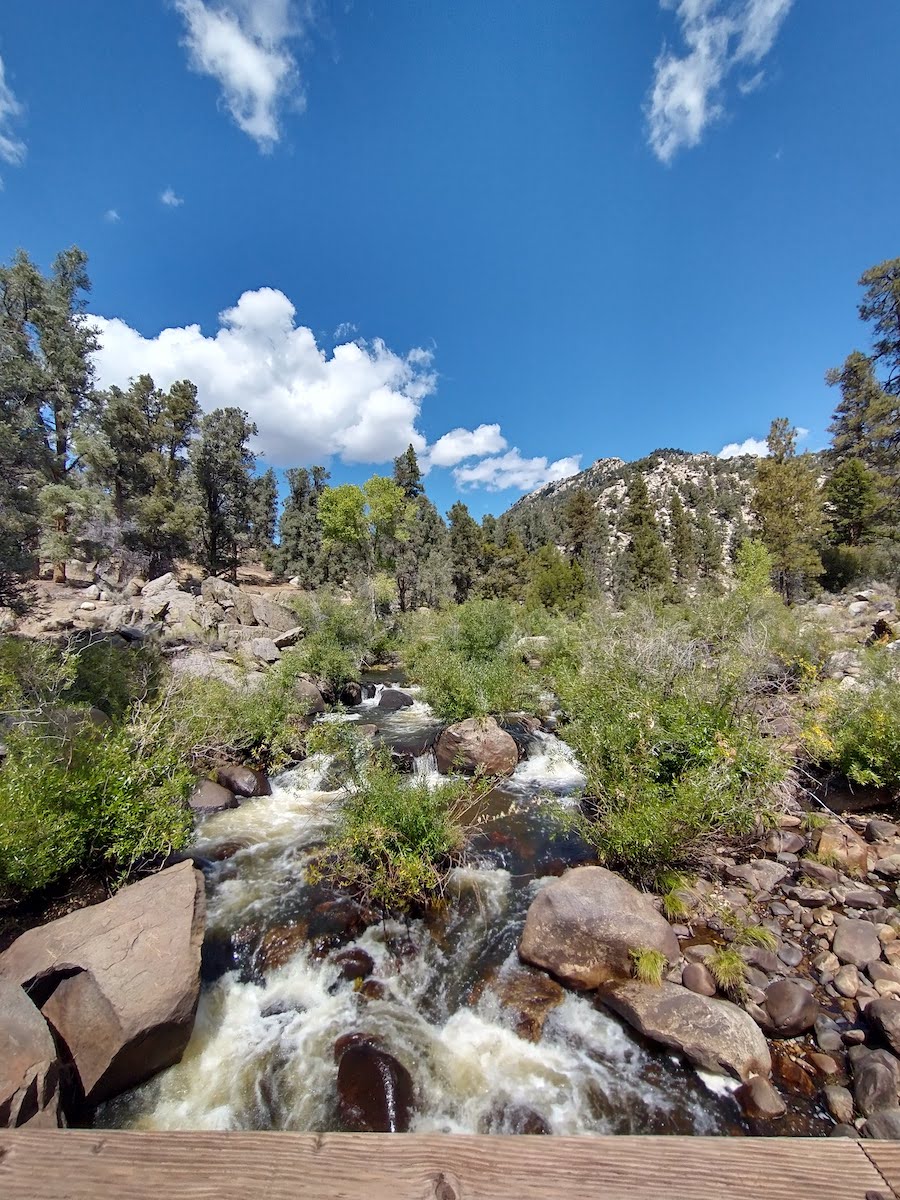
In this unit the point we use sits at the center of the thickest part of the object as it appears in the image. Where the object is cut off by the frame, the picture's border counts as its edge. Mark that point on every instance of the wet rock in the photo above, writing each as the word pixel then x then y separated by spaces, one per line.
pixel 279 944
pixel 856 942
pixel 532 995
pixel 375 1091
pixel 516 1118
pixel 848 848
pixel 828 1036
pixel 372 989
pixel 239 780
pixel 884 1124
pixel 792 1074
pixel 476 744
pixel 354 963
pixel 121 978
pixel 29 1071
pixel 583 927
pixel 309 698
pixel 351 695
pixel 208 797
pixel 824 1063
pixel 790 1009
pixel 713 1034
pixel 876 1075
pixel 356 1038
pixel 884 1015
pixel 696 978
pixel 393 699
pixel 759 1099
pixel 839 1101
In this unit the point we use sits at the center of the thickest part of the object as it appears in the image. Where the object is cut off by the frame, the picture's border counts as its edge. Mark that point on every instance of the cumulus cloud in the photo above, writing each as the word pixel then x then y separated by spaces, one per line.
pixel 170 199
pixel 12 148
pixel 755 446
pixel 459 444
pixel 245 46
pixel 511 470
pixel 721 37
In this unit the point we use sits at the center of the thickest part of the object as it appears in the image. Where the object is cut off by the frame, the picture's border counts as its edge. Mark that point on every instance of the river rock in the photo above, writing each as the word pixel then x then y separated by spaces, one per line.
pixel 790 1009
pixel 476 743
pixel 876 1075
pixel 884 1124
pixel 846 980
pixel 881 831
pixel 583 926
pixel 208 797
pixel 696 978
pixel 848 848
pixel 888 867
pixel 840 1103
pixel 393 699
pixel 856 942
pixel 120 980
pixel 354 963
pixel 375 1091
pixel 263 649
pixel 715 1035
pixel 351 694
pixel 532 995
pixel 759 1099
pixel 310 700
pixel 240 780
pixel 884 1014
pixel 29 1072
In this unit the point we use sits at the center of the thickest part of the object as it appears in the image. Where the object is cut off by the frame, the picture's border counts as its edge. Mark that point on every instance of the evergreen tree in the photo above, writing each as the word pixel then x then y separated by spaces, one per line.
pixel 681 542
pixel 420 562
pixel 299 549
pixel 579 519
pixel 880 306
pixel 222 469
pixel 788 505
pixel 556 583
pixel 263 513
pixel 465 551
pixel 710 550
pixel 647 562
pixel 854 424
pixel 407 474
pixel 503 569
pixel 853 499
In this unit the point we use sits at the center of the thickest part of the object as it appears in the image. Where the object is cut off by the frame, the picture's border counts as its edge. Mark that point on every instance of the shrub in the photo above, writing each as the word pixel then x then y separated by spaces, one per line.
pixel 648 965
pixel 340 637
pixel 858 731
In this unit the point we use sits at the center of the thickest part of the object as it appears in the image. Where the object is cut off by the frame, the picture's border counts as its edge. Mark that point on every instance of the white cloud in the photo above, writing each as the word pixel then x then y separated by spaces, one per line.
pixel 459 444
pixel 12 148
pixel 112 216
pixel 345 330
pixel 170 199
pixel 755 446
pixel 511 470
pixel 245 46
pixel 720 36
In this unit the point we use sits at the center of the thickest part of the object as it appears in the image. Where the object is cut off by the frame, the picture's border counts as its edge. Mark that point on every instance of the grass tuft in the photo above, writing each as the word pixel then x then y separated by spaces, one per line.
pixel 648 965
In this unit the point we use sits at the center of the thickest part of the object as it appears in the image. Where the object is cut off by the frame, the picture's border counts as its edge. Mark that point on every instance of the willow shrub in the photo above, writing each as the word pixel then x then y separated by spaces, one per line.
pixel 857 732
pixel 661 724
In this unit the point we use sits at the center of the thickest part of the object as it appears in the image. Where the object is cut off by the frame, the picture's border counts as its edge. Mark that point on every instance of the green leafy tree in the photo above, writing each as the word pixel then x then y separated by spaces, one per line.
pixel 753 567
pixel 222 469
pixel 647 563
pixel 681 542
pixel 788 505
pixel 466 543
pixel 854 499
pixel 504 569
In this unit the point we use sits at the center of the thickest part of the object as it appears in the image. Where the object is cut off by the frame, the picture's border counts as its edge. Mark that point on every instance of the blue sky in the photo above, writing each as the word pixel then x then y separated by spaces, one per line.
pixel 535 231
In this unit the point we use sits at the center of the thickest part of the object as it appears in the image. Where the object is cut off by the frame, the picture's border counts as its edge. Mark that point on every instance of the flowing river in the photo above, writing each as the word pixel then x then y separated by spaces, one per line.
pixel 262 1051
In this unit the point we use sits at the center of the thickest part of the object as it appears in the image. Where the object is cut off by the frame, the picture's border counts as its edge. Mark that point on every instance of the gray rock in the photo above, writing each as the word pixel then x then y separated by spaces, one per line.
pixel 840 1103
pixel 241 781
pixel 162 583
pixel 791 956
pixel 818 872
pixel 289 638
pixel 888 867
pixel 856 942
pixel 309 697
pixel 884 1015
pixel 272 615
pixel 790 1009
pixel 264 650
pixel 208 797
pixel 881 831
pixel 863 898
pixel 29 1071
pixel 875 1081
pixel 884 1124
pixel 715 1035
pixel 393 699
pixel 846 980
pixel 583 926
pixel 477 743
pixel 783 841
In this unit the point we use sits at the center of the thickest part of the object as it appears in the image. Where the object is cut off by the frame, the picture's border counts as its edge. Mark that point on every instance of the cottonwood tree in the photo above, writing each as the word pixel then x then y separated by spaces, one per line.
pixel 788 505
pixel 370 521
pixel 222 474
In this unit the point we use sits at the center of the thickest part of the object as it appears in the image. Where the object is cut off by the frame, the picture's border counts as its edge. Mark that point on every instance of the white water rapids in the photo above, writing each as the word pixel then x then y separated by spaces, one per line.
pixel 262 1052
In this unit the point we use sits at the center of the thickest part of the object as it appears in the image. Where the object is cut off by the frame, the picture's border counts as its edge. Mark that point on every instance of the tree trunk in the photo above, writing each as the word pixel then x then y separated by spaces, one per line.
pixel 59 568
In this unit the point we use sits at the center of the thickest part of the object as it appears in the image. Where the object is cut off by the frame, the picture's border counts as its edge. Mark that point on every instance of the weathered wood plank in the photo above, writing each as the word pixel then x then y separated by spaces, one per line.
pixel 84 1165
pixel 886 1157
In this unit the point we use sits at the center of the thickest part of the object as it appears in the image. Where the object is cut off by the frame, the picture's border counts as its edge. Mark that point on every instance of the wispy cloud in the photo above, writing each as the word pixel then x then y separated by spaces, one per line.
pixel 112 216
pixel 12 148
pixel 721 37
pixel 170 199
pixel 246 46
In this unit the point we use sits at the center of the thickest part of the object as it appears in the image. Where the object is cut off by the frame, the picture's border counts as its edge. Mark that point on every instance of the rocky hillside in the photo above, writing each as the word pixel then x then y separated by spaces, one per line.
pixel 715 492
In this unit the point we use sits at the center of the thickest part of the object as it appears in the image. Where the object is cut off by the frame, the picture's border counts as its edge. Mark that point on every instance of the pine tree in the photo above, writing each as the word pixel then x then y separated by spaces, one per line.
pixel 222 469
pixel 710 550
pixel 407 474
pixel 579 519
pixel 880 306
pixel 465 551
pixel 788 506
pixel 854 499
pixel 647 562
pixel 681 541
pixel 263 513
pixel 504 569
pixel 556 583
pixel 299 549
pixel 854 424
pixel 419 575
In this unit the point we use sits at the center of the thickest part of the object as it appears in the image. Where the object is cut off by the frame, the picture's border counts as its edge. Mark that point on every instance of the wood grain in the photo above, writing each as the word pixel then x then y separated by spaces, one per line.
pixel 886 1157
pixel 84 1165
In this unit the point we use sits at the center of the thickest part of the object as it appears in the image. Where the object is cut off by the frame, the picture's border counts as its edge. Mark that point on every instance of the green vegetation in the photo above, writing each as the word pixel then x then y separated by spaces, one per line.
pixel 648 965
pixel 729 971
pixel 857 732
pixel 341 637
pixel 756 935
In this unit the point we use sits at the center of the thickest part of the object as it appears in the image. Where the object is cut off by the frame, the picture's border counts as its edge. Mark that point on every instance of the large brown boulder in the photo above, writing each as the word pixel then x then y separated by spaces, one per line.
pixel 477 743
pixel 715 1035
pixel 583 927
pixel 375 1092
pixel 29 1072
pixel 119 981
pixel 847 848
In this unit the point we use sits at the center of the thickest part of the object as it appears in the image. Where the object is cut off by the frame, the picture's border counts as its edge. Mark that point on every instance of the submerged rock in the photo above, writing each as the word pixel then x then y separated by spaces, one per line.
pixel 715 1035
pixel 375 1091
pixel 476 744
pixel 119 981
pixel 532 995
pixel 583 927
pixel 759 1099
pixel 242 781
pixel 29 1071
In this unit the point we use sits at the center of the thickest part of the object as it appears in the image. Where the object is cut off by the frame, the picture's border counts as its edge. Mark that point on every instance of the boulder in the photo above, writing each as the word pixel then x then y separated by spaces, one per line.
pixel 759 1099
pixel 351 695
pixel 790 1009
pixel 272 615
pixel 393 699
pixel 119 981
pixel 856 942
pixel 208 797
pixel 883 1124
pixel 375 1091
pixel 240 780
pixel 888 867
pixel 884 1015
pixel 876 1075
pixel 235 602
pixel 29 1072
pixel 715 1035
pixel 473 744
pixel 310 699
pixel 264 650
pixel 583 926
pixel 840 1103
pixel 162 583
pixel 696 978
pixel 532 996
pixel 846 847
pixel 290 638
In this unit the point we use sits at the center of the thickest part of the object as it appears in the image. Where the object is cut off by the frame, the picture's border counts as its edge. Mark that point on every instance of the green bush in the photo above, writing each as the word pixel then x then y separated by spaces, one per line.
pixel 858 732
pixel 340 638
